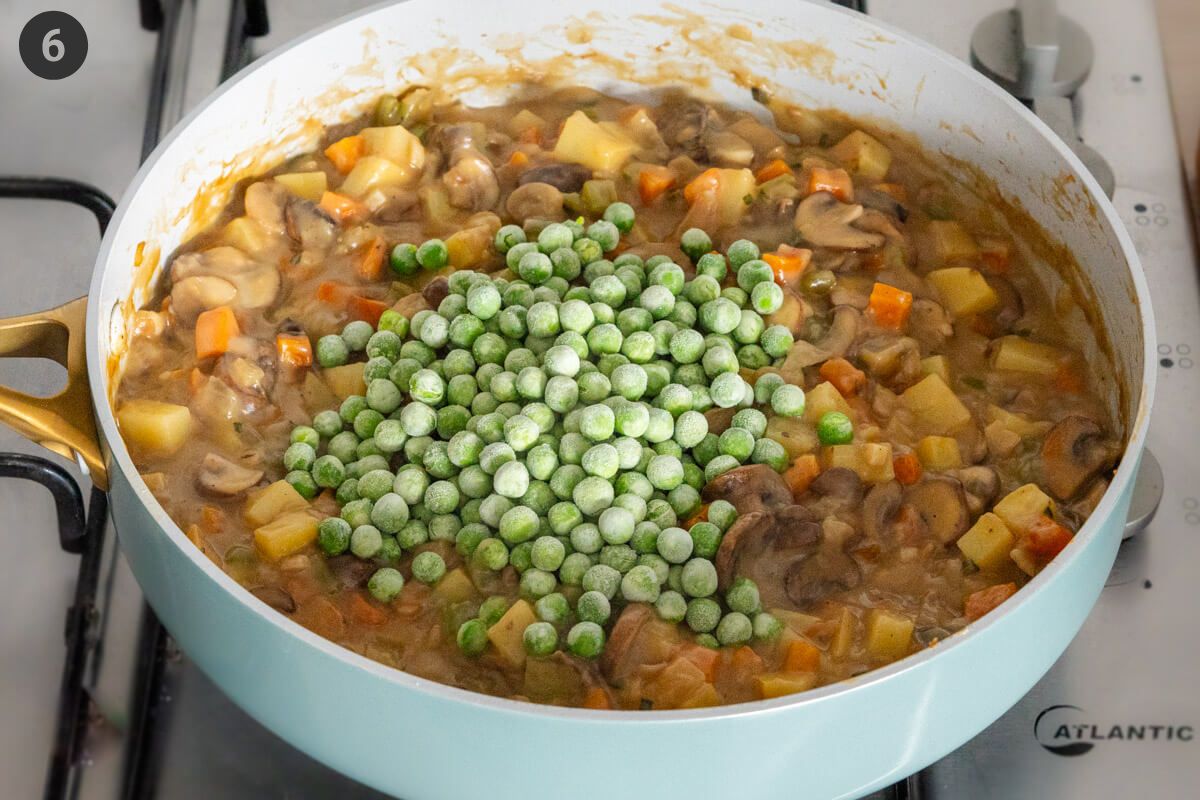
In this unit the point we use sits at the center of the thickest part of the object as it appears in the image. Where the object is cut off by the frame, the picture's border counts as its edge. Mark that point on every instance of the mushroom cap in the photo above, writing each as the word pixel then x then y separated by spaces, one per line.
pixel 1073 452
pixel 826 222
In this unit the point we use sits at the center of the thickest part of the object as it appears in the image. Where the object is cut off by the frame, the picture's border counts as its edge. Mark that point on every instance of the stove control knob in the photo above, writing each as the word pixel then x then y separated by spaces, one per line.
pixel 1032 51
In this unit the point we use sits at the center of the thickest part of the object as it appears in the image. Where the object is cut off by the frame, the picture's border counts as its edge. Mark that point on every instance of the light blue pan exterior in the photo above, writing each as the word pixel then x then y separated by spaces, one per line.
pixel 425 741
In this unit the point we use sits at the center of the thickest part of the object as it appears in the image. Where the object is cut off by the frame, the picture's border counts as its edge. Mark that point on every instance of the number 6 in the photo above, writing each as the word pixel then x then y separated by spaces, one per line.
pixel 52 49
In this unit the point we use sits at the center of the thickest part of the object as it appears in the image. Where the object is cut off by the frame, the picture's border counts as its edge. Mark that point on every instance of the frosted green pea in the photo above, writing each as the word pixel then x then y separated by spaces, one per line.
pixel 665 472
pixel 504 386
pixel 474 483
pixel 492 609
pixel 693 475
pixel 608 362
pixel 490 348
pixel 365 423
pixel 722 514
pixel 674 578
pixel 307 435
pixel 518 524
pixel 427 387
pixel 766 297
pixel 436 462
pixel 571 447
pixel 375 484
pixel 771 453
pixel 464 448
pixel 536 583
pixel 565 265
pixel 694 242
pixel 468 513
pixel 541 461
pixel 593 495
pixel 389 513
pixel 376 368
pixel 576 342
pixel 640 585
pixel 603 579
pixel 463 388
pixel 511 322
pixel 605 234
pixel 749 327
pixel 605 338
pixel 620 557
pixel 684 314
pixel 540 638
pixel 721 315
pixel 752 357
pixel 356 334
pixel 766 627
pixel 658 300
pixel 542 319
pixel 357 512
pixel 452 305
pixel 452 420
pixel 435 331
pixel 332 351
pixel 741 251
pixel 535 267
pixel 633 319
pixel 333 536
pixel 753 272
pixel 482 404
pixel 660 426
pixel 385 584
pixel 629 451
pixel 764 387
pixel 472 636
pixel 554 236
pixel 520 432
pixel 483 300
pixel 561 394
pixel 609 290
pixel 511 479
pixel 703 614
pixel 512 258
pixel 601 460
pixel 519 358
pixel 719 466
pixel 548 553
pixel 632 280
pixel 490 426
pixel 365 541
pixel 468 538
pixel 410 484
pixel 684 499
pixel 586 538
pixel 561 360
pixel 701 397
pixel 302 481
pixel 616 525
pixel 564 517
pixel 674 544
pixel 507 237
pixel 597 422
pixel 328 423
pixel 428 567
pixel 576 315
pixel 712 265
pixel 539 496
pixel 788 401
pixel 674 398
pixel 669 275
pixel 706 539
pixel 356 469
pixel 743 596
pixel 671 606
pixel 668 448
pixel 727 389
pixel 442 497
pixel 419 351
pixel 465 329
pixel 328 472
pixel 413 533
pixel 645 537
pixel 573 568
pixel 492 508
pixel 699 578
pixel 736 442
pixel 299 456
pixel 702 289
pixel 491 554
pixel 718 361
pixel 660 513
pixel 734 629
pixel 531 383
pixel 776 341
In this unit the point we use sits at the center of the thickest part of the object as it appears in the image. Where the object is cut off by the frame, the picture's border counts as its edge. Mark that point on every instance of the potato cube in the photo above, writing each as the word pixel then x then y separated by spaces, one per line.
pixel 889 635
pixel 508 634
pixel 455 587
pixel 396 144
pixel 309 185
pixel 950 241
pixel 1022 355
pixel 797 436
pixel 797 621
pixel 271 502
pixel 525 120
pixel 734 186
pixel 821 399
pixel 776 684
pixel 1017 423
pixel 373 172
pixel 863 154
pixel 470 247
pixel 843 637
pixel 345 380
pixel 154 427
pixel 1024 506
pixel 935 405
pixel 936 365
pixel 288 534
pixel 963 290
pixel 939 453
pixel 872 461
pixel 988 542
pixel 246 235
pixel 597 148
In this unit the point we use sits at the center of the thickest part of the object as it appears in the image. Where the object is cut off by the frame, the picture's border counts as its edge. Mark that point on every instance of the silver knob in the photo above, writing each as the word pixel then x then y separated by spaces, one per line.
pixel 1032 51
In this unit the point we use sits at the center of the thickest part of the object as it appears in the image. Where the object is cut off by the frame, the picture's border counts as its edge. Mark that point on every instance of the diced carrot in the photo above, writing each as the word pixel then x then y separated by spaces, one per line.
pixel 345 152
pixel 365 308
pixel 705 182
pixel 332 292
pixel 597 698
pixel 1067 380
pixel 699 516
pixel 370 265
pixel 653 180
pixel 705 658
pixel 788 264
pixel 801 473
pixel 745 663
pixel 896 190
pixel 835 181
pixel 531 135
pixel 844 376
pixel 890 306
pixel 802 656
pixel 294 349
pixel 366 612
pixel 979 603
pixel 215 329
pixel 994 253
pixel 212 519
pixel 907 468
pixel 341 208
pixel 518 159
pixel 772 170
pixel 1045 539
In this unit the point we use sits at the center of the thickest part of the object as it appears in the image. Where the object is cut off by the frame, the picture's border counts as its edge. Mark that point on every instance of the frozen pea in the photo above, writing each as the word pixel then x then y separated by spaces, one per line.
pixel 645 537
pixel 776 341
pixel 593 495
pixel 472 635
pixel 658 300
pixel 660 513
pixel 616 525
pixel 603 579
pixel 675 545
pixel 684 499
pixel 770 452
pixel 511 479
pixel 573 568
pixel 788 401
pixel 640 585
pixel 333 536
pixel 442 497
pixel 586 639
pixel 536 583
pixel 734 628
pixel 586 538
pixel 601 460
pixel 365 541
pixel 428 567
pixel 736 442
pixel 743 596
pixel 699 578
pixel 719 466
pixel 671 606
pixel 518 524
pixel 385 584
pixel 413 533
pixel 728 389
pixel 703 614
pixel 492 508
pixel 753 272
pixel 766 627
pixel 547 553
pixel 721 315
pixel 390 513
pixel 690 429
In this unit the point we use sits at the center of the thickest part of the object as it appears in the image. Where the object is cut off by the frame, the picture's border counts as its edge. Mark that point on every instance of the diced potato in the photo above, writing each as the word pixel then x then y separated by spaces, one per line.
pixel 345 380
pixel 155 427
pixel 309 185
pixel 778 684
pixel 270 502
pixel 1022 355
pixel 469 247
pixel 455 587
pixel 246 235
pixel 797 621
pixel 889 636
pixel 872 461
pixel 823 398
pixel 524 120
pixel 706 696
pixel 1017 423
pixel 988 542
pixel 598 148
pixel 1026 561
pixel 288 534
pixel 843 637
pixel 734 186
pixel 373 172
pixel 398 145
pixel 936 405
pixel 507 635
pixel 435 203
pixel 1023 506
pixel 936 365
pixel 939 453
pixel 950 241
pixel 863 154
pixel 963 290
pixel 317 394
pixel 797 436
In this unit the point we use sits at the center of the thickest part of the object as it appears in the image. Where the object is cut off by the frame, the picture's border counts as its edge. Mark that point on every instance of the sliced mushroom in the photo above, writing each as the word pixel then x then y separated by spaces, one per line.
pixel 1074 451
pixel 536 200
pixel 824 221
pixel 755 487
pixel 839 483
pixel 1010 308
pixel 878 222
pixel 766 548
pixel 981 484
pixel 192 296
pixel 639 637
pixel 257 284
pixel 879 509
pixel 929 323
pixel 882 201
pixel 436 291
pixel 562 176
pixel 309 225
pixel 803 354
pixel 276 598
pixel 471 182
pixel 827 571
pixel 841 333
pixel 895 360
pixel 942 503
pixel 719 419
pixel 686 128
pixel 221 476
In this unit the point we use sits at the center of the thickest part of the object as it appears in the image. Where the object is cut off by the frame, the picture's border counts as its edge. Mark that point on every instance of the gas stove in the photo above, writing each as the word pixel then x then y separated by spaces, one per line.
pixel 123 714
